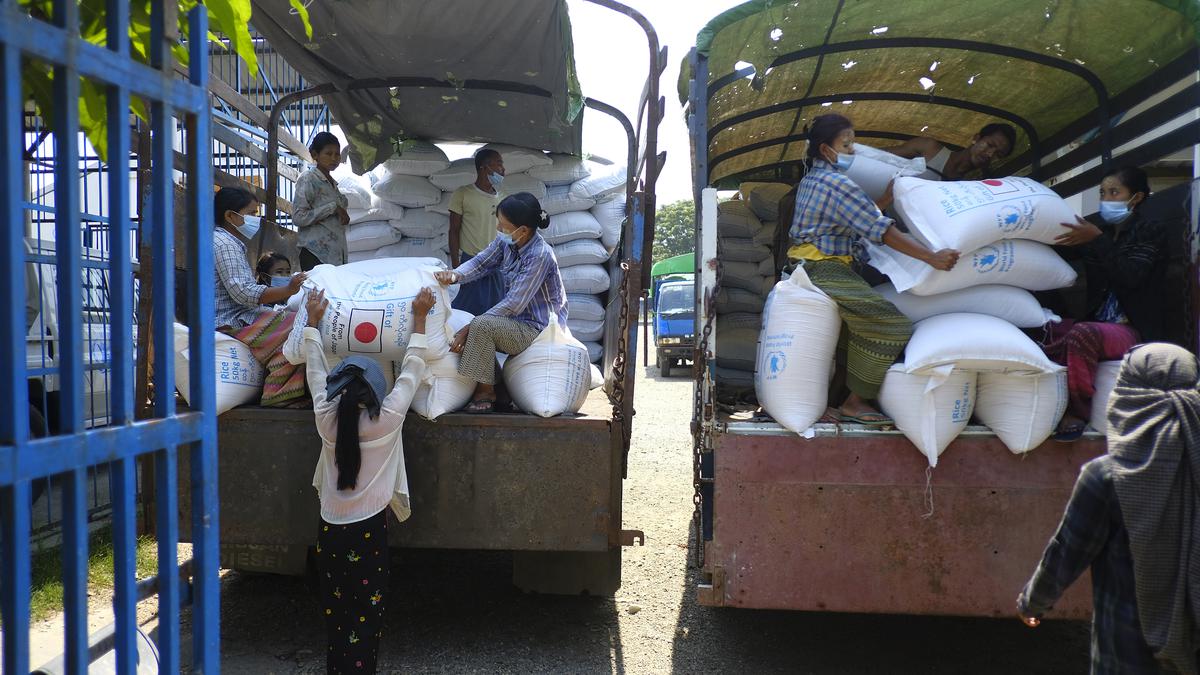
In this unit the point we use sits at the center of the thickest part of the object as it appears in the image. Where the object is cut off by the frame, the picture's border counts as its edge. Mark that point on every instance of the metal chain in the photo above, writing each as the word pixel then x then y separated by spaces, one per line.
pixel 618 397
pixel 1189 242
pixel 703 415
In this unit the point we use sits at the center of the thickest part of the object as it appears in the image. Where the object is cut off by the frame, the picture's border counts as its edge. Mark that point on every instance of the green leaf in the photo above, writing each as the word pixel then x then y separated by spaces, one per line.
pixel 298 5
pixel 93 116
pixel 232 17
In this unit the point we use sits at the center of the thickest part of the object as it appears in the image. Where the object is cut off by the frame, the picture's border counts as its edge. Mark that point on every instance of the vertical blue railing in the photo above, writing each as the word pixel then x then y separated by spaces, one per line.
pixel 75 450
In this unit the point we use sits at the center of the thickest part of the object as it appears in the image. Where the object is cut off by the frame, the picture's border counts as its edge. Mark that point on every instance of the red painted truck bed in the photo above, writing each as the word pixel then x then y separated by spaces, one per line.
pixel 838 522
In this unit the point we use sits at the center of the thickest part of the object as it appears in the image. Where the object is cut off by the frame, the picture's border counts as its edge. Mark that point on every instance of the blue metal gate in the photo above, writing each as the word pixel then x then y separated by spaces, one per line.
pixel 69 454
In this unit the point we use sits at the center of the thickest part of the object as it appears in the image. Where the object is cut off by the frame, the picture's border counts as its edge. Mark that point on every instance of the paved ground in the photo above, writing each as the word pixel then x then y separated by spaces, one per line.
pixel 459 613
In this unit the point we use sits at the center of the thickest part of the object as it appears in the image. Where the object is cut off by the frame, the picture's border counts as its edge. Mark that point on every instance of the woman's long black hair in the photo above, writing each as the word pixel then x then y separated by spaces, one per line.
pixel 524 210
pixel 346 453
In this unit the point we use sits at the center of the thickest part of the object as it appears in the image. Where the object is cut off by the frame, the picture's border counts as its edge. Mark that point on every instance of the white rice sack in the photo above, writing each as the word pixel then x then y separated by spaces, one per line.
pixel 552 376
pixel 405 190
pixel 414 158
pixel 423 224
pixel 584 307
pixel 371 235
pixel 795 353
pixel 1014 262
pixel 1104 382
pixel 735 219
pixel 610 213
pixel 1015 305
pixel 570 226
pixel 522 182
pixel 560 200
pixel 380 210
pixel 443 390
pixel 597 377
pixel 443 205
pixel 585 279
pixel 739 300
pixel 370 308
pixel 432 247
pixel 603 180
pixel 764 198
pixel 1022 410
pixel 595 351
pixel 873 169
pixel 563 170
pixel 518 160
pixel 930 410
pixel 460 172
pixel 965 215
pixel 737 249
pixel 580 252
pixel 238 375
pixel 586 331
pixel 973 342
pixel 357 191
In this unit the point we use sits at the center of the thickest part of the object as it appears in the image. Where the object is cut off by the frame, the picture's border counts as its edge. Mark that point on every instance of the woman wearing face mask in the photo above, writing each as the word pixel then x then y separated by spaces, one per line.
pixel 1124 259
pixel 319 209
pixel 832 217
pixel 273 269
pixel 240 298
pixel 533 291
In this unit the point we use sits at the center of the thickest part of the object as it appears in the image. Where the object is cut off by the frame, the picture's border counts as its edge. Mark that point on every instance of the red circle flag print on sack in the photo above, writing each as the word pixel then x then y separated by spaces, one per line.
pixel 366 331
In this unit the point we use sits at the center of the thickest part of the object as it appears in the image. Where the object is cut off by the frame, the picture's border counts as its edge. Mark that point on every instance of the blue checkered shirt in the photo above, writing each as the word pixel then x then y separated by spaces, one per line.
pixel 533 288
pixel 238 295
pixel 834 214
pixel 1092 534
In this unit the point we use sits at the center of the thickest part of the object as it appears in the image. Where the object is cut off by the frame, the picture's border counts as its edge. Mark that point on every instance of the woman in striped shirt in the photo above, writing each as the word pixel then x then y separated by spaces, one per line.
pixel 833 215
pixel 533 292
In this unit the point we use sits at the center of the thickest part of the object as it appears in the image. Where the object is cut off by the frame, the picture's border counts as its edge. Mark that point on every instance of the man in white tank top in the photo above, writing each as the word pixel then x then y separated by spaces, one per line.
pixel 992 141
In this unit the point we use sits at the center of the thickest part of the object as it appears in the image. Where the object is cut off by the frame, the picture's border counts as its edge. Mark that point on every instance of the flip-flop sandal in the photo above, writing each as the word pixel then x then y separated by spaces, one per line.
pixel 1069 433
pixel 480 407
pixel 875 420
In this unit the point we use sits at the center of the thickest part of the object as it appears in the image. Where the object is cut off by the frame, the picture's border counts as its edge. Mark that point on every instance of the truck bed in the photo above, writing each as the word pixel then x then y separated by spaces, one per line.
pixel 849 521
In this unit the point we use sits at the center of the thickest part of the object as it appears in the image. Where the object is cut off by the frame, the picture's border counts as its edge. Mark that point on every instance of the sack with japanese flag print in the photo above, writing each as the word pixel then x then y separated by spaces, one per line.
pixel 370 307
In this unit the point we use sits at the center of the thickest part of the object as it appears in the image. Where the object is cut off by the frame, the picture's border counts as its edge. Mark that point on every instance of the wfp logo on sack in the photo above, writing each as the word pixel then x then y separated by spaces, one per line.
pixel 374 289
pixel 1014 217
pixel 985 259
pixel 775 363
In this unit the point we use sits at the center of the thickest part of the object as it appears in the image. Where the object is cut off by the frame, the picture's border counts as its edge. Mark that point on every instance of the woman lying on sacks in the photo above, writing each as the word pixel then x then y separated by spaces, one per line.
pixel 533 292
pixel 832 217
pixel 240 298
pixel 1124 259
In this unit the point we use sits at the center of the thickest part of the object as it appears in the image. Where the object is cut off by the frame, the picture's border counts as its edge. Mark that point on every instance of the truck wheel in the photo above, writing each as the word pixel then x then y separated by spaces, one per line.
pixel 568 572
pixel 664 366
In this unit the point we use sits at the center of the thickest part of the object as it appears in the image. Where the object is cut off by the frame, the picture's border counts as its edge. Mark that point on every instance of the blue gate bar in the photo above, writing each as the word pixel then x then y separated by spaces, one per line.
pixel 206 634
pixel 166 494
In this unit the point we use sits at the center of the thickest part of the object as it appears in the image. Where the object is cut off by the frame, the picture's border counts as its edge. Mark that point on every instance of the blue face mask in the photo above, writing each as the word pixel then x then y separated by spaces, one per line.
pixel 495 179
pixel 280 282
pixel 249 228
pixel 506 238
pixel 844 161
pixel 1114 212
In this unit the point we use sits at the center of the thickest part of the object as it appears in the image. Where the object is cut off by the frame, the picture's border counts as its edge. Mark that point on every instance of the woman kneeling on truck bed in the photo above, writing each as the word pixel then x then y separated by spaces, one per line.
pixel 1125 263
pixel 533 291
pixel 832 216
pixel 240 298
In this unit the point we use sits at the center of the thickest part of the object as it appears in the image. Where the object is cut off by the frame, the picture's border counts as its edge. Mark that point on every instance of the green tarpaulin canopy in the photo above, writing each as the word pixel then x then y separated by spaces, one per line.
pixel 519 42
pixel 680 264
pixel 901 69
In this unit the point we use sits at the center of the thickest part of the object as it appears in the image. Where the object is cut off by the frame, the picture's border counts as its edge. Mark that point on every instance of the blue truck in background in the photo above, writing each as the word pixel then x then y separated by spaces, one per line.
pixel 674 295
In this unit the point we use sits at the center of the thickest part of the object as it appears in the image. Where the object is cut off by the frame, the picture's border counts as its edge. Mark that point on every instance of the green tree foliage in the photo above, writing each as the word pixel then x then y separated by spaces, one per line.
pixel 229 17
pixel 674 229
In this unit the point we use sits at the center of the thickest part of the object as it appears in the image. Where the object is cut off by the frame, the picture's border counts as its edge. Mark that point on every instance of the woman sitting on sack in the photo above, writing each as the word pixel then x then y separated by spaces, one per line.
pixel 533 291
pixel 1125 263
pixel 240 298
pixel 832 217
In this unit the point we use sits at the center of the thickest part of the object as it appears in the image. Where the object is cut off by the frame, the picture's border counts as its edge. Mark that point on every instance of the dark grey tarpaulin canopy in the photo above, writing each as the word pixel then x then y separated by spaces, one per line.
pixel 500 71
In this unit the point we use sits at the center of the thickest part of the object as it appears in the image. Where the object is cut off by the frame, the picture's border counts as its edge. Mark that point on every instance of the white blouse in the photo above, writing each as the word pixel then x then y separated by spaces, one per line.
pixel 381 476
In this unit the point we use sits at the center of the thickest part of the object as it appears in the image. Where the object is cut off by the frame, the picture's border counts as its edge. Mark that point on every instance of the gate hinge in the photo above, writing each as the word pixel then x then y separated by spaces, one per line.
pixel 712 594
pixel 633 538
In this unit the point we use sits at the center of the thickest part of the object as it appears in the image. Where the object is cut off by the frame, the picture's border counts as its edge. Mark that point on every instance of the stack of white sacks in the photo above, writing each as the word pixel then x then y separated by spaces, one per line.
pixel 402 210
pixel 746 230
pixel 968 356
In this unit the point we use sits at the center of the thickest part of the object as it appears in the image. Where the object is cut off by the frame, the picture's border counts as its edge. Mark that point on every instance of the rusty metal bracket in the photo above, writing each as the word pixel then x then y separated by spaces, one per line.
pixel 712 594
pixel 633 538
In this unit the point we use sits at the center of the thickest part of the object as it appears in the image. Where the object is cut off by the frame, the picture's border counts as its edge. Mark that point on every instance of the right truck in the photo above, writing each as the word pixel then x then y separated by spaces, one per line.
pixel 847 518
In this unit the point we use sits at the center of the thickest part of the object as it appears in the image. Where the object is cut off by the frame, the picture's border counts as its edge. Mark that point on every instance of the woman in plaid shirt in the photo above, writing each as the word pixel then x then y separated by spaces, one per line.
pixel 832 217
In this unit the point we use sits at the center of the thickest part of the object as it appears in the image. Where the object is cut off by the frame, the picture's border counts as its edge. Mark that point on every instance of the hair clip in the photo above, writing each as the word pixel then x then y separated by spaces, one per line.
pixel 545 216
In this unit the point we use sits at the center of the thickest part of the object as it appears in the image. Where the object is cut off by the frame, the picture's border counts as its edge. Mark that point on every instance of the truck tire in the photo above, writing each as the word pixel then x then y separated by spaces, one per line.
pixel 664 366
pixel 594 573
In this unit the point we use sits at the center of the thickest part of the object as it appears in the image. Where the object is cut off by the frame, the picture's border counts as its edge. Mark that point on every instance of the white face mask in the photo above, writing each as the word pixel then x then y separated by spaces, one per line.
pixel 280 282
pixel 250 226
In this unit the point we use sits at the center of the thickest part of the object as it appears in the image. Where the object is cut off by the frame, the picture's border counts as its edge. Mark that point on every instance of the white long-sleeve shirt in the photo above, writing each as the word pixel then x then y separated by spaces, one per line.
pixel 381 476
